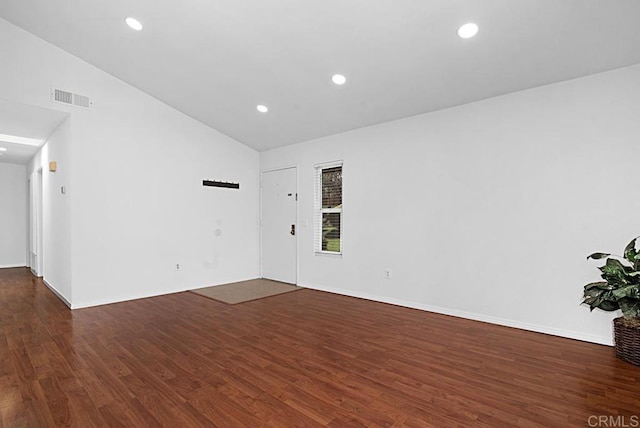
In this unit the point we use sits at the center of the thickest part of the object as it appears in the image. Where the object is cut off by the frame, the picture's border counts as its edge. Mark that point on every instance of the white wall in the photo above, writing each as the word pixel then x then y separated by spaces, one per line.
pixel 56 207
pixel 487 210
pixel 13 215
pixel 137 205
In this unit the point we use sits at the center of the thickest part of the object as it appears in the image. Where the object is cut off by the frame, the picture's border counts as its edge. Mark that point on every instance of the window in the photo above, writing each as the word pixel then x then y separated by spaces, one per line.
pixel 328 212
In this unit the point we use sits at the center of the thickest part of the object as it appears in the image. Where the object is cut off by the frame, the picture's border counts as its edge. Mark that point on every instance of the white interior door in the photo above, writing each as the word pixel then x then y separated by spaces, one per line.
pixel 278 225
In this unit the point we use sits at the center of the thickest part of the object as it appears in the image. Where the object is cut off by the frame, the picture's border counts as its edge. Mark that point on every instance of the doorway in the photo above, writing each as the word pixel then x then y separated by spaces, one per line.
pixel 36 223
pixel 278 221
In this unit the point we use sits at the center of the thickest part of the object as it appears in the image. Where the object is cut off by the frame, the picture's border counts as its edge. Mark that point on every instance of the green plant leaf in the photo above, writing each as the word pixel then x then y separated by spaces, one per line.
pixel 615 266
pixel 597 302
pixel 602 285
pixel 630 307
pixel 631 291
pixel 593 292
pixel 609 306
pixel 620 288
pixel 615 272
pixel 630 252
pixel 601 299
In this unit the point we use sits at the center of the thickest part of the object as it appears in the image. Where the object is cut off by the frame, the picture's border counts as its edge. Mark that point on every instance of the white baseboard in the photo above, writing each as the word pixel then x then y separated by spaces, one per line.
pixel 58 295
pixel 109 301
pixel 601 340
pixel 12 266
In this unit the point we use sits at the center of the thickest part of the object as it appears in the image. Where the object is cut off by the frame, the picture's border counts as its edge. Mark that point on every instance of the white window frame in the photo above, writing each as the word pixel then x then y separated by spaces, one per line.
pixel 319 210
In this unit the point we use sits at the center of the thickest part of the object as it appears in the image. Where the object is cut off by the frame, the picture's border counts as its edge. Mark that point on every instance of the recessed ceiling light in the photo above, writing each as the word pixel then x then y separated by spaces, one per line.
pixel 338 79
pixel 262 109
pixel 468 30
pixel 20 140
pixel 133 23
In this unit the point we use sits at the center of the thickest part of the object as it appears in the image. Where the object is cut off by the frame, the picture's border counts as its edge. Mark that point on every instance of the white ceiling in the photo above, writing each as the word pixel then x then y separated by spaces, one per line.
pixel 216 61
pixel 26 121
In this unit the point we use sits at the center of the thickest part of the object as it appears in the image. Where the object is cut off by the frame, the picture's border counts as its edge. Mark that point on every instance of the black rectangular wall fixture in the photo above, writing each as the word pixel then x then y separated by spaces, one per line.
pixel 220 184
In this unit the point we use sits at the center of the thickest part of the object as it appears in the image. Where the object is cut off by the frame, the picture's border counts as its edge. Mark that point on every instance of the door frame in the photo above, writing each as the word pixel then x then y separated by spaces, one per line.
pixel 294 166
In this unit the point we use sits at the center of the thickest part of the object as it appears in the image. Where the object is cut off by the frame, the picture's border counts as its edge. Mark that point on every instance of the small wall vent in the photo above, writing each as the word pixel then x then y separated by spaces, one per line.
pixel 70 99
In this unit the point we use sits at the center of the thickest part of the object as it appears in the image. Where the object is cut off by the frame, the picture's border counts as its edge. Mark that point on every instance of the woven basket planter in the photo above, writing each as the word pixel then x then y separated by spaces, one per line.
pixel 627 342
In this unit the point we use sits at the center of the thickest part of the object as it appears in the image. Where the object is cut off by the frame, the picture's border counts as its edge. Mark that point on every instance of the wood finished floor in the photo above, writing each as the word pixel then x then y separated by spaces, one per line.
pixel 298 359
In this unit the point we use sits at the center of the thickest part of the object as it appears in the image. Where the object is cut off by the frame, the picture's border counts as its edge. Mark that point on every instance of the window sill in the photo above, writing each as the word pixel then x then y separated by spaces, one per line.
pixel 328 254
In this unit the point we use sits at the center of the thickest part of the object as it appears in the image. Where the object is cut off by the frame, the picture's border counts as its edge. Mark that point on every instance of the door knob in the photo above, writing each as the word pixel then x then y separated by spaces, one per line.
pixel 293 229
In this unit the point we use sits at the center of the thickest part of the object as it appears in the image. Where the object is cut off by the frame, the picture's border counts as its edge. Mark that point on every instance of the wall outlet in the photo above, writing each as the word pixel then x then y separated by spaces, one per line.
pixel 387 273
pixel 177 266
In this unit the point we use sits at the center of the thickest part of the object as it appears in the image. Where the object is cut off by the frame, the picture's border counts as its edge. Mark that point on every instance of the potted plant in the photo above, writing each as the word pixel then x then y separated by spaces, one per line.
pixel 620 289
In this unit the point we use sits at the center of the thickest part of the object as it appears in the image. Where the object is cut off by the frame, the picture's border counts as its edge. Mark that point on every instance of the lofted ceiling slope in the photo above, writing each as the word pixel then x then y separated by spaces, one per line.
pixel 216 61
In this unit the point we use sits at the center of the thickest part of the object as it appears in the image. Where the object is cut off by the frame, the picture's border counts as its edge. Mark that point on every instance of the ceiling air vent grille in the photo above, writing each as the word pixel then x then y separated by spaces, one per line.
pixel 71 99
pixel 81 101
pixel 63 97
